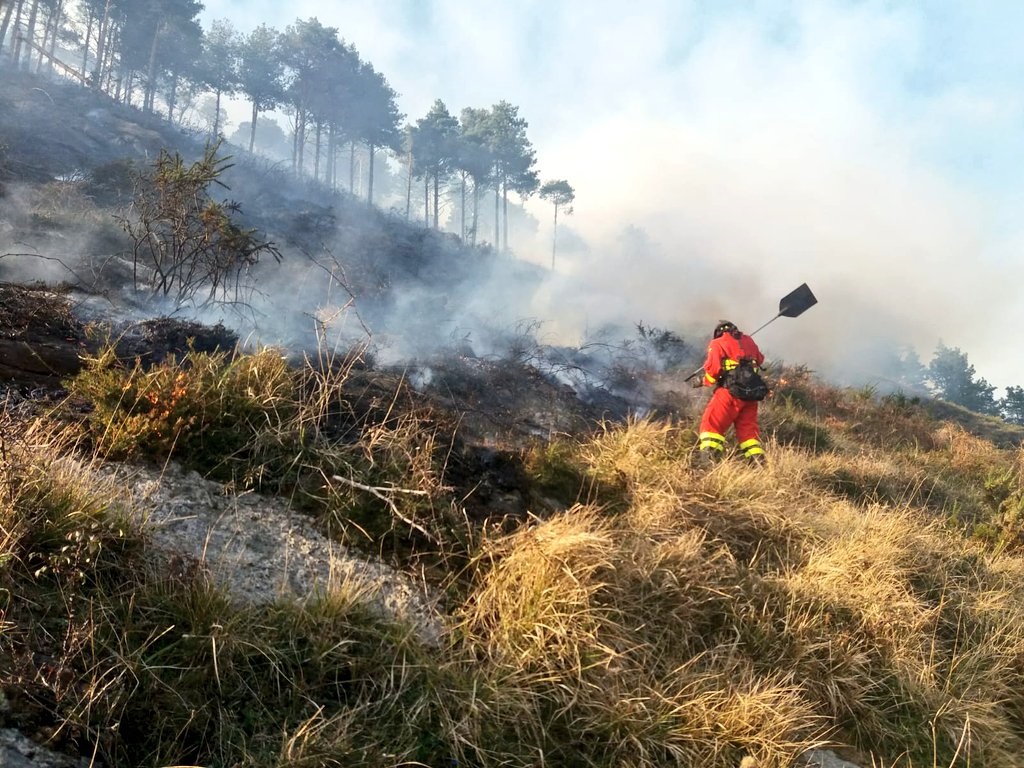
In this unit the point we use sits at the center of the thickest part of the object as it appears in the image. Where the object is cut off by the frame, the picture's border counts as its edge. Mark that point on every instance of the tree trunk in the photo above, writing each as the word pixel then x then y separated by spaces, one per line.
pixel 17 35
pixel 476 210
pixel 504 211
pixel 426 200
pixel 369 181
pixel 295 144
pixel 216 116
pixel 5 24
pixel 300 135
pixel 129 88
pixel 436 206
pixel 252 127
pixel 340 145
pixel 316 152
pixel 101 45
pixel 113 40
pixel 150 96
pixel 85 48
pixel 172 98
pixel 43 44
pixel 57 17
pixel 329 169
pixel 462 218
pixel 554 238
pixel 408 188
pixel 30 33
pixel 352 167
pixel 497 216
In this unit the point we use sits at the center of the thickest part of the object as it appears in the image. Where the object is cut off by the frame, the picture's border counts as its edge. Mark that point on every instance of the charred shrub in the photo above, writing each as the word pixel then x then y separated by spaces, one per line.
pixel 667 349
pixel 61 205
pixel 187 246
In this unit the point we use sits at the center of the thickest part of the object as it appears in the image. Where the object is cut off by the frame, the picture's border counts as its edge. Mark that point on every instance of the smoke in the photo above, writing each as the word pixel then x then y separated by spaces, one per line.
pixel 722 154
pixel 864 148
pixel 52 233
pixel 789 148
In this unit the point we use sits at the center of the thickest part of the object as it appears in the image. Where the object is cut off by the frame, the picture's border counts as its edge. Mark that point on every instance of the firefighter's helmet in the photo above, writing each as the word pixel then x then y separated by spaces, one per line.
pixel 724 326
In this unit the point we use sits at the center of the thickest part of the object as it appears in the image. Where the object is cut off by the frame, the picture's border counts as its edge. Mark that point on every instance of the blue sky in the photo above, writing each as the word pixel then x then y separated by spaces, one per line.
pixel 872 149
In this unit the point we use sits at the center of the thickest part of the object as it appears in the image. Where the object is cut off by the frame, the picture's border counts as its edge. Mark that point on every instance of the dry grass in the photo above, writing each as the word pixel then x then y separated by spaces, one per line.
pixel 624 634
pixel 58 519
pixel 209 408
pixel 895 635
pixel 255 422
pixel 698 618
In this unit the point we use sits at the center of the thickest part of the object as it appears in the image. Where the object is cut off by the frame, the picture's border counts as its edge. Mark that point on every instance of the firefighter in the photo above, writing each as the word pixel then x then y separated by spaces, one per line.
pixel 729 350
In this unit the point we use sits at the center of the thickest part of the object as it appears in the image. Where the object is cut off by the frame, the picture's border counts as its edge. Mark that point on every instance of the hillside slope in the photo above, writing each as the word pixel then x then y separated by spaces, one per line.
pixel 69 159
pixel 595 600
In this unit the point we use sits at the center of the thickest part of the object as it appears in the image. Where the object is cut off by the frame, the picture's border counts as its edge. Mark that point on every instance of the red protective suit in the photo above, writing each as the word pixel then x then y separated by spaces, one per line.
pixel 724 410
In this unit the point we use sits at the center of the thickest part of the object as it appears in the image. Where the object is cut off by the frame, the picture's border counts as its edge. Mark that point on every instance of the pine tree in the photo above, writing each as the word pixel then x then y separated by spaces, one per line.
pixel 952 379
pixel 1012 406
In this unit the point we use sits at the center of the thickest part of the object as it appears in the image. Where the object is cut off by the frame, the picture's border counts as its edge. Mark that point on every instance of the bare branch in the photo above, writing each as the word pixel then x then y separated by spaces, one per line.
pixel 379 492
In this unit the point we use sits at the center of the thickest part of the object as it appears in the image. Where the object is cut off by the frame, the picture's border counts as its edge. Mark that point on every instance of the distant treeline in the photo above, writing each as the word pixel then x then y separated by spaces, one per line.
pixel 950 376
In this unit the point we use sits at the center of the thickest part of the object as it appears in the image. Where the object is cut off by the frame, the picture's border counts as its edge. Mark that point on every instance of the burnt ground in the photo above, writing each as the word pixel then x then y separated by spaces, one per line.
pixel 52 127
pixel 485 414
pixel 42 340
pixel 487 411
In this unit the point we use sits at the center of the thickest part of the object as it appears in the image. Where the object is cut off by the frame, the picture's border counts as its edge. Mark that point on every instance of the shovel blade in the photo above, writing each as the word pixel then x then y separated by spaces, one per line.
pixel 797 302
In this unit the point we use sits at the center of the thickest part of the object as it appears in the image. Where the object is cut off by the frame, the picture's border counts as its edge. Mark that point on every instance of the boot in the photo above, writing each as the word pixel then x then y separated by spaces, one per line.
pixel 757 460
pixel 706 458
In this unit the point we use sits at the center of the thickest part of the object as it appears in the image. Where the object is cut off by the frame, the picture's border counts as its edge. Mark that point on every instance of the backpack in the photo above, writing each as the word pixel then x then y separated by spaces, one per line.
pixel 745 383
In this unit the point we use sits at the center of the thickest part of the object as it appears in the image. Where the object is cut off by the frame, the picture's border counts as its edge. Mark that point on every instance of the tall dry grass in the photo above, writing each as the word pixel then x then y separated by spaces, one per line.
pixel 884 629
pixel 678 617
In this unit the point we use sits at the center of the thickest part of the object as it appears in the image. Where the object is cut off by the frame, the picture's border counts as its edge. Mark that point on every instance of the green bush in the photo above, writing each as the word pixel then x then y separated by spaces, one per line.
pixel 224 415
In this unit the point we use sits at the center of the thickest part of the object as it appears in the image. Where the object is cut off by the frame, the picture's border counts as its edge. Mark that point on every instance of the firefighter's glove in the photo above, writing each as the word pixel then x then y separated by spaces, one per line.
pixel 697 383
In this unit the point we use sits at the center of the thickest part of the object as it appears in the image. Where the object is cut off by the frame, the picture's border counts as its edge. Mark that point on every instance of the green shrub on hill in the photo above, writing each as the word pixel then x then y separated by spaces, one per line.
pixel 216 412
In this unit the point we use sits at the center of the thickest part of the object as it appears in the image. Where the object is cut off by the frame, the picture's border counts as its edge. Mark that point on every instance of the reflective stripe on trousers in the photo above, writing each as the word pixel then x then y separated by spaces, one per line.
pixel 712 441
pixel 723 411
pixel 751 448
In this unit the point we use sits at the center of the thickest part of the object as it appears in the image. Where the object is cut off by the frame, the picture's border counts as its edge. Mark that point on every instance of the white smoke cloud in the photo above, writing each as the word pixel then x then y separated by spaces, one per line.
pixel 854 146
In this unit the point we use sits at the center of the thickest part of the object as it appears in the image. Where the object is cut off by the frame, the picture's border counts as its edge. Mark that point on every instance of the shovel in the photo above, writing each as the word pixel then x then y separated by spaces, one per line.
pixel 793 304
